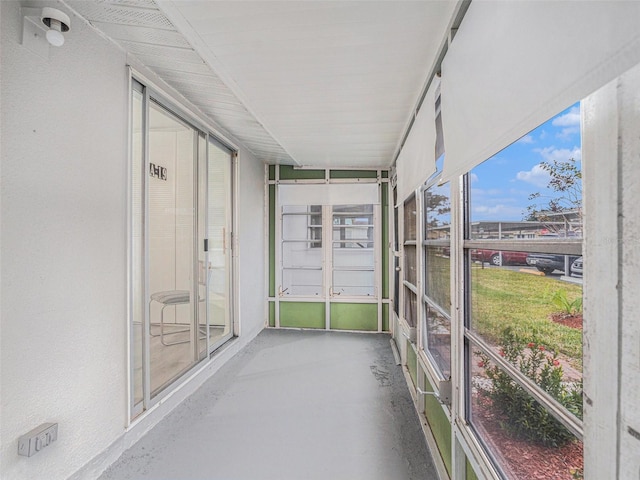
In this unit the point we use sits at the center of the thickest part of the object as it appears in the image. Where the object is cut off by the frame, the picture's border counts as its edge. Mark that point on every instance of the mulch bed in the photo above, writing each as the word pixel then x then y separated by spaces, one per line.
pixel 521 459
pixel 572 321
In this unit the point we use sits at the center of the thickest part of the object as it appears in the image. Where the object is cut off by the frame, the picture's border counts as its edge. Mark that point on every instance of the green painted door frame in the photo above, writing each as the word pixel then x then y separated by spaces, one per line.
pixel 329 310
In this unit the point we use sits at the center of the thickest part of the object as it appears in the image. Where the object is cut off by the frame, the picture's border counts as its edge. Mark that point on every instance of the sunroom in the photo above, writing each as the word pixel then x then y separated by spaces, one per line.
pixel 430 198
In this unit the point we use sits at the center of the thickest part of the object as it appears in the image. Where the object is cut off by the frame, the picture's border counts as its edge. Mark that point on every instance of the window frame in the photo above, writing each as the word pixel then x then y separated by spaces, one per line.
pixel 427 302
pixel 410 288
pixel 468 337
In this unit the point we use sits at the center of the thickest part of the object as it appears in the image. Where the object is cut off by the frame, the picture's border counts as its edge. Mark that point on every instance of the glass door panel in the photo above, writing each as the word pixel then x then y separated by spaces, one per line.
pixel 137 248
pixel 171 217
pixel 302 255
pixel 202 270
pixel 353 255
pixel 218 269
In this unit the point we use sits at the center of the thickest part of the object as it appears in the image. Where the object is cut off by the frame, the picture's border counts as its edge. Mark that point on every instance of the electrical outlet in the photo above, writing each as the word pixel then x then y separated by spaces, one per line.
pixel 32 442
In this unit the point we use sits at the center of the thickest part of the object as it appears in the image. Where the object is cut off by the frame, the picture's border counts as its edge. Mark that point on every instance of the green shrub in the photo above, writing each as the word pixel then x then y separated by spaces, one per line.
pixel 524 417
pixel 561 301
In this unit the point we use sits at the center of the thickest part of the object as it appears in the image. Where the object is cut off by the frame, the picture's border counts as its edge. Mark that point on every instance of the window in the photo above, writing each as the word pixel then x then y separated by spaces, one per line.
pixel 437 276
pixel 523 326
pixel 302 257
pixel 315 226
pixel 353 252
pixel 327 260
pixel 396 258
pixel 410 265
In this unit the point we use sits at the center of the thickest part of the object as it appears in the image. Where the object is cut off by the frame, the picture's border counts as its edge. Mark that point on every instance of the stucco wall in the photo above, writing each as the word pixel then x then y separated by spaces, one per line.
pixel 63 249
pixel 64 157
pixel 250 242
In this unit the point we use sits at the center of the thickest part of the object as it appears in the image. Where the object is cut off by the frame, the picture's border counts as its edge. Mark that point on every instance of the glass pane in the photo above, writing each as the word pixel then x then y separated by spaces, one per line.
pixel 410 268
pixel 171 246
pixel 353 250
pixel 219 235
pixel 438 339
pixel 353 257
pixel 437 207
pixel 410 216
pixel 137 254
pixel 353 222
pixel 525 441
pixel 533 188
pixel 410 307
pixel 302 253
pixel 303 223
pixel 518 309
pixel 396 285
pixel 437 276
pixel 302 282
pixel 315 225
pixel 203 326
pixel 353 282
pixel 396 260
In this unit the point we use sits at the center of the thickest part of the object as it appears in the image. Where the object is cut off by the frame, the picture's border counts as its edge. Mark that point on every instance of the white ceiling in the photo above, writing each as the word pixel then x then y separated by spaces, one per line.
pixel 318 83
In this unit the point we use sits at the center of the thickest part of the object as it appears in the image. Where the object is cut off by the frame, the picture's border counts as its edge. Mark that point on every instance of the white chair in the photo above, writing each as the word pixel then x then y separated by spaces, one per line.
pixel 173 298
pixel 169 298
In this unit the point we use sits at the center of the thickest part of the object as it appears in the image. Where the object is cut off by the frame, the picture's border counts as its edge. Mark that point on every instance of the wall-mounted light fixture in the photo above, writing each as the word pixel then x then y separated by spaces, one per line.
pixel 42 27
pixel 58 22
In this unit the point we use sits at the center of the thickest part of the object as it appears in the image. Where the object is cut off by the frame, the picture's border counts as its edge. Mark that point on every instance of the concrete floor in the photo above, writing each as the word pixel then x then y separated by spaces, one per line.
pixel 292 405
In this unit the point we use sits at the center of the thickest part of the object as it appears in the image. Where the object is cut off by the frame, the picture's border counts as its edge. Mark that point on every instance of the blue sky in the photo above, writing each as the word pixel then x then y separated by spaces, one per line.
pixel 500 186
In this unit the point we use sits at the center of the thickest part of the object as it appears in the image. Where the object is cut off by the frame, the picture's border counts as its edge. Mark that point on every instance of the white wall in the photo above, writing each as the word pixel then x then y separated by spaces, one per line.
pixel 64 151
pixel 250 243
pixel 63 248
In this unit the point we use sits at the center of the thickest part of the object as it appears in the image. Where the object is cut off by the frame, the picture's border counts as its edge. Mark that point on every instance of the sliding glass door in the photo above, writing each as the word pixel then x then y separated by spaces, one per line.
pixel 180 247
pixel 219 243
pixel 171 246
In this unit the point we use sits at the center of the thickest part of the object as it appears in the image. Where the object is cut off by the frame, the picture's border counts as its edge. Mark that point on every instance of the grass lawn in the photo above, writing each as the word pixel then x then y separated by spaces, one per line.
pixel 502 298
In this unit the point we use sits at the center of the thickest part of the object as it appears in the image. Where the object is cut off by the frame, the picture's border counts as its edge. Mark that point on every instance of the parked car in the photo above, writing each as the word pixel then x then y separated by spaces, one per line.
pixel 576 267
pixel 547 263
pixel 497 258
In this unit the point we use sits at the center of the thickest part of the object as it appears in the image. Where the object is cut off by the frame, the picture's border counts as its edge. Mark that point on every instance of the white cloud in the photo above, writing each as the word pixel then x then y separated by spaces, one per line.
pixel 543 135
pixel 521 193
pixel 570 119
pixel 536 176
pixel 500 211
pixel 567 133
pixel 476 192
pixel 473 177
pixel 526 139
pixel 559 154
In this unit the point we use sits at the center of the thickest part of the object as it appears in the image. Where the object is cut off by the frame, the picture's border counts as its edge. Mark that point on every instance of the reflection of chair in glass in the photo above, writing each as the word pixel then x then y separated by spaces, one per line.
pixel 172 298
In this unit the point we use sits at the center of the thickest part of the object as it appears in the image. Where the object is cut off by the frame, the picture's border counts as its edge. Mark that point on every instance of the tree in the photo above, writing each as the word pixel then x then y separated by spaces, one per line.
pixel 562 210
pixel 438 206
